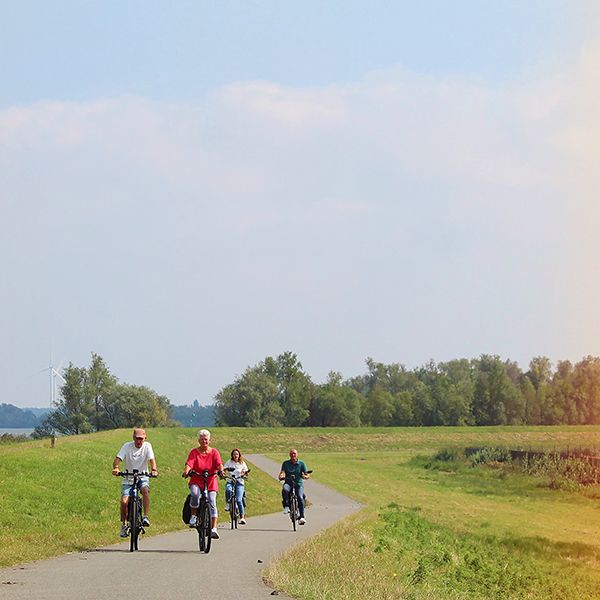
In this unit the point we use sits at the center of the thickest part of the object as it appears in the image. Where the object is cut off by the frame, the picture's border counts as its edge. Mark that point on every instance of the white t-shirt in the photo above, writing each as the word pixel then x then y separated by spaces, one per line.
pixel 240 468
pixel 136 458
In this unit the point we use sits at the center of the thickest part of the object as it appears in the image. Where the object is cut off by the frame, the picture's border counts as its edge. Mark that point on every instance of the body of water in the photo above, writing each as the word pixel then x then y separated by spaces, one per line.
pixel 17 430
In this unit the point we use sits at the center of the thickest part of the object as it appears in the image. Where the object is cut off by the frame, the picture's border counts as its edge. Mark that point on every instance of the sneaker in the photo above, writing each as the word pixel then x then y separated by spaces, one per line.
pixel 124 531
pixel 242 521
pixel 193 521
pixel 301 521
pixel 214 534
pixel 227 507
pixel 146 521
pixel 286 510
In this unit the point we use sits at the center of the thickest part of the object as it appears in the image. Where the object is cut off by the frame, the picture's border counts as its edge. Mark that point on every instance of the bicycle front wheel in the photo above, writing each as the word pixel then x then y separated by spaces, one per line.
pixel 206 528
pixel 134 530
pixel 294 510
pixel 233 512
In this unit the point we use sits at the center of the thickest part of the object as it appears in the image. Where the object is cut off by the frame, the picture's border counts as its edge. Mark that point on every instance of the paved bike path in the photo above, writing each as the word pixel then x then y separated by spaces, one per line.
pixel 170 565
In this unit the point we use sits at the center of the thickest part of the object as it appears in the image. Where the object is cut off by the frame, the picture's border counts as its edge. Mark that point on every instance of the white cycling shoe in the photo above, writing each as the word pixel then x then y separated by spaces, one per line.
pixel 193 521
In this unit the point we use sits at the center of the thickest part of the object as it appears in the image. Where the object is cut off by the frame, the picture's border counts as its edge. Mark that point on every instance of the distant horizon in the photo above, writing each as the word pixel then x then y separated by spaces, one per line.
pixel 523 367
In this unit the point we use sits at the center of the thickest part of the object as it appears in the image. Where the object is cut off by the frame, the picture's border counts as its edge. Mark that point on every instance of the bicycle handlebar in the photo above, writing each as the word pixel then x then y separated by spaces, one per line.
pixel 205 474
pixel 293 477
pixel 235 477
pixel 135 474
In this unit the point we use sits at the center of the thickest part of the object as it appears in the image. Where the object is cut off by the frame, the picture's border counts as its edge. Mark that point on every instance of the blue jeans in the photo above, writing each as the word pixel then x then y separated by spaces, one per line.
pixel 285 492
pixel 126 487
pixel 239 495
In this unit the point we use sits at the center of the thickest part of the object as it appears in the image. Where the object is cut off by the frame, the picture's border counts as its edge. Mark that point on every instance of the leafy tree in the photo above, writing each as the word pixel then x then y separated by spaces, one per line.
pixel 561 406
pixel 72 413
pixel 496 400
pixel 423 403
pixel 586 381
pixel 540 371
pixel 251 401
pixel 92 400
pixel 335 404
pixel 533 410
pixel 294 389
pixel 459 390
pixel 402 409
pixel 378 407
pixel 139 405
pixel 100 391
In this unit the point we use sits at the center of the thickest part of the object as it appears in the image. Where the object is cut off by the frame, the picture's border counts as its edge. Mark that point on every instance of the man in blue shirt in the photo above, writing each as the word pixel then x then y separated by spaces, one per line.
pixel 295 467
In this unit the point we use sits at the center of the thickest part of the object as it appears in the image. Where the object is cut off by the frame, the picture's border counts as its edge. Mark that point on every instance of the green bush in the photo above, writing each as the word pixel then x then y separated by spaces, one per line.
pixel 449 455
pixel 490 455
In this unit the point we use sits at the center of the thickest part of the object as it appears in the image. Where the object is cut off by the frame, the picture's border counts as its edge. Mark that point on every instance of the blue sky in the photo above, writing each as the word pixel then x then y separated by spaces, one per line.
pixel 84 50
pixel 187 189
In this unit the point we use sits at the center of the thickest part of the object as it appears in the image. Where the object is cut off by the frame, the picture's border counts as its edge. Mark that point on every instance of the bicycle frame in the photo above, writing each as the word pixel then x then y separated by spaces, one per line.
pixel 203 514
pixel 294 507
pixel 234 511
pixel 135 507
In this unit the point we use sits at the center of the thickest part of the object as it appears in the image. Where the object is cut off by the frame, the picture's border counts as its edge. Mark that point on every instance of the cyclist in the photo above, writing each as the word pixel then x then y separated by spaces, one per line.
pixel 204 458
pixel 236 462
pixel 137 455
pixel 295 467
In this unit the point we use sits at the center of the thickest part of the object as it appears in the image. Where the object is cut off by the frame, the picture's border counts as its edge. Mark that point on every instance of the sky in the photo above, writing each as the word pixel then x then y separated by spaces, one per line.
pixel 187 188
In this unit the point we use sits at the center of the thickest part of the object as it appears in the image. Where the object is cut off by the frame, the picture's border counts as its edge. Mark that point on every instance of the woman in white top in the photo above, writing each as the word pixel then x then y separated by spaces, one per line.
pixel 236 462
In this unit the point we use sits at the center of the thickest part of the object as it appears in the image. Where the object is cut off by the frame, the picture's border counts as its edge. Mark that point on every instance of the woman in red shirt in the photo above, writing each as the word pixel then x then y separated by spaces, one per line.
pixel 204 458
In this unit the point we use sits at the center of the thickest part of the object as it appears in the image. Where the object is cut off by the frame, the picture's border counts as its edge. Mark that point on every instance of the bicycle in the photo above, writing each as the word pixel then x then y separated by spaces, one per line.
pixel 294 508
pixel 203 513
pixel 234 511
pixel 134 507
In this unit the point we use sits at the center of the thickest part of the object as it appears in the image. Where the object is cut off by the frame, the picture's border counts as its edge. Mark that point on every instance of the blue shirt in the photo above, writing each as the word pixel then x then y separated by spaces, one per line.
pixel 293 469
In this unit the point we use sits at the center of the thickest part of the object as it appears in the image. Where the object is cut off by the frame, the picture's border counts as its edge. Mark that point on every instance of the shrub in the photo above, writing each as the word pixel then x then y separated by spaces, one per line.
pixel 449 455
pixel 490 455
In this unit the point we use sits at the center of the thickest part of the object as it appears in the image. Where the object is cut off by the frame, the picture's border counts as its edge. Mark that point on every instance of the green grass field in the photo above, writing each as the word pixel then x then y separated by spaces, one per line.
pixel 444 532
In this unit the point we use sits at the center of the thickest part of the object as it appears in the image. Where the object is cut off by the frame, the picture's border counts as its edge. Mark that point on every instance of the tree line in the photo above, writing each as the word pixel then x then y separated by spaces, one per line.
pixel 277 392
pixel 92 399
pixel 482 391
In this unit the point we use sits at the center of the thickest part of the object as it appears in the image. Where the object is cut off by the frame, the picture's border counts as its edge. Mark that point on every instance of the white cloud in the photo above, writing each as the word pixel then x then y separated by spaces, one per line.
pixel 409 208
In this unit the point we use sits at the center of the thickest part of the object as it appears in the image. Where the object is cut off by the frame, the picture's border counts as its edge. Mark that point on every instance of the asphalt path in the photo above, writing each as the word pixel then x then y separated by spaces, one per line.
pixel 171 566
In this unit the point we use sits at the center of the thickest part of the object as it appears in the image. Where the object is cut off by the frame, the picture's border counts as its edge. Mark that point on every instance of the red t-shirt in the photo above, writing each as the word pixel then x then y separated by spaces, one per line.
pixel 199 462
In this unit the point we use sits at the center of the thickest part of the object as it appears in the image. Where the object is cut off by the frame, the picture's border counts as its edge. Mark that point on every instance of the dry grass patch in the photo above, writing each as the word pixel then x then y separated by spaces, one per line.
pixel 337 564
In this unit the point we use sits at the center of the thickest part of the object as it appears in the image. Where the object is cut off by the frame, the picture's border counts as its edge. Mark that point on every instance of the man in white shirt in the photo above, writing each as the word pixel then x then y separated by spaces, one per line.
pixel 137 455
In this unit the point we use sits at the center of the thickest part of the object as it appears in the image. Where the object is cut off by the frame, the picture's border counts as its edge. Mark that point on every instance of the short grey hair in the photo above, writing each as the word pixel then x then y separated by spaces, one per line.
pixel 204 432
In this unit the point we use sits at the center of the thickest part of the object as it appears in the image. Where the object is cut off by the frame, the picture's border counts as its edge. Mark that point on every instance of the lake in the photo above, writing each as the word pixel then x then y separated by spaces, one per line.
pixel 17 430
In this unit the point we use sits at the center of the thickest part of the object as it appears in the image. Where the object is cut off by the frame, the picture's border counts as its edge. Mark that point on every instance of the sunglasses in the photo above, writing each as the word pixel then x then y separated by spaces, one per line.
pixel 138 438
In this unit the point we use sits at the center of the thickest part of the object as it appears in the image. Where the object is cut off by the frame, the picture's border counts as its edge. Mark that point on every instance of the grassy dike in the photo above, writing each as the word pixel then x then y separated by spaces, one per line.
pixel 426 533
pixel 63 499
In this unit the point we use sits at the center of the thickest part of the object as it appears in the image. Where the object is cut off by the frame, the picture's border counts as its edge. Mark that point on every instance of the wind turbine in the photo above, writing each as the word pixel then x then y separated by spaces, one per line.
pixel 54 375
